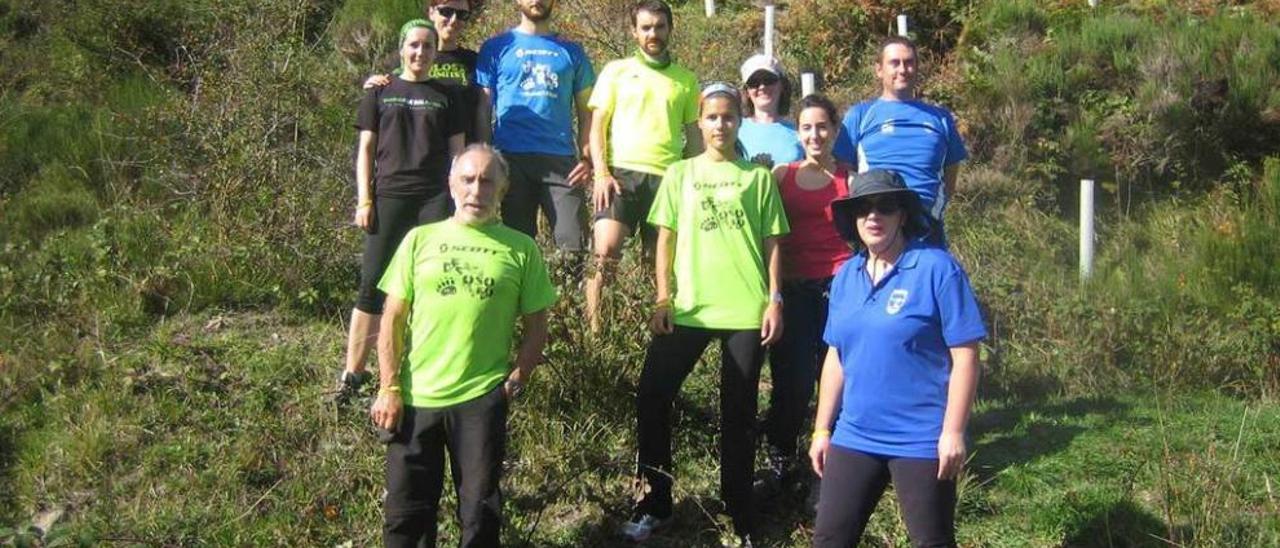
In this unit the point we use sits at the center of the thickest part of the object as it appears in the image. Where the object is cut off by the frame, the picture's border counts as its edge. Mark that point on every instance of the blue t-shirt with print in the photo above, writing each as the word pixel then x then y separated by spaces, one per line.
pixel 894 341
pixel 534 79
pixel 913 138
pixel 779 140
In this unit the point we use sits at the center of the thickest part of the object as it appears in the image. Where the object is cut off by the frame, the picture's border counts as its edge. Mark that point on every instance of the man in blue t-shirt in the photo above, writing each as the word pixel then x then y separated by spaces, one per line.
pixel 534 81
pixel 901 133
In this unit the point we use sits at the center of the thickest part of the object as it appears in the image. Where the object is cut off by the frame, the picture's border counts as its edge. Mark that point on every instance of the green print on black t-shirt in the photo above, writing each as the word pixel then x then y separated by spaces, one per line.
pixel 413 122
pixel 457 72
pixel 412 104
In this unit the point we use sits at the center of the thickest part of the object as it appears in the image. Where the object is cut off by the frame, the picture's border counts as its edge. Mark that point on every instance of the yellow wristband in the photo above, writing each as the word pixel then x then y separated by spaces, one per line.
pixel 393 389
pixel 364 204
pixel 821 433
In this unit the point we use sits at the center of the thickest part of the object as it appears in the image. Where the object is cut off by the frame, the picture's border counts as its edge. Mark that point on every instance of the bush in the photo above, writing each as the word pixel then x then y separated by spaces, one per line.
pixel 1183 295
pixel 1163 103
pixel 56 198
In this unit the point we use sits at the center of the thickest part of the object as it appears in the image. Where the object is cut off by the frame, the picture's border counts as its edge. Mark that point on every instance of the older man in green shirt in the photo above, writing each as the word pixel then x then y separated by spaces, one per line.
pixel 458 286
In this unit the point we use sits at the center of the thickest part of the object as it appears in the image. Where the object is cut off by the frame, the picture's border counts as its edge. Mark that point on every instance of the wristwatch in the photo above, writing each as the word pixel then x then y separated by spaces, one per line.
pixel 514 388
pixel 775 297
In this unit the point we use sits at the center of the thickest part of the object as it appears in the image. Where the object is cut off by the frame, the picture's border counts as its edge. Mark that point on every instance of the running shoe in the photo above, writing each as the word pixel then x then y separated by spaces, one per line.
pixel 642 526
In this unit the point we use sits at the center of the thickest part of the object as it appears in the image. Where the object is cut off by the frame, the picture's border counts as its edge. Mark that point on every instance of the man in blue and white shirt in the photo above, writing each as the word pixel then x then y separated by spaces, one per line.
pixel 901 133
pixel 534 81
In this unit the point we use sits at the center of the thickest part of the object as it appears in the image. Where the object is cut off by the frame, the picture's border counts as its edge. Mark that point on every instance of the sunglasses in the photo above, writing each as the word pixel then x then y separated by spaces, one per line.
pixel 882 206
pixel 762 80
pixel 447 13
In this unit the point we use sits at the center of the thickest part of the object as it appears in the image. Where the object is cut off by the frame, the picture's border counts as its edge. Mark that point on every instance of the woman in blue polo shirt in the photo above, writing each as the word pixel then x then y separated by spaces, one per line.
pixel 900 374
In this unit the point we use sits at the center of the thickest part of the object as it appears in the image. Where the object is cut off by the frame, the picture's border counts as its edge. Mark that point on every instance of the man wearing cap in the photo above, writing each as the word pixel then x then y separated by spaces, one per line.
pixel 534 80
pixel 458 287
pixel 899 132
pixel 643 113
pixel 768 138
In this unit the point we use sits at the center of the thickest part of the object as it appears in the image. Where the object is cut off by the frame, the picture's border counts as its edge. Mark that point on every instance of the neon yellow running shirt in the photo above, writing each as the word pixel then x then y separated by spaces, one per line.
pixel 721 213
pixel 466 287
pixel 649 108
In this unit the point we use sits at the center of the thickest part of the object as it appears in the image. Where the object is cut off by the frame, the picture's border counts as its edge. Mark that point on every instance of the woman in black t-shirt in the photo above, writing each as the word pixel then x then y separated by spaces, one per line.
pixel 455 66
pixel 410 130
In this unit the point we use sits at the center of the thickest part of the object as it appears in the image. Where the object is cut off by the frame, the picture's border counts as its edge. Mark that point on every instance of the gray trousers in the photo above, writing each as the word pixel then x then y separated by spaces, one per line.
pixel 539 181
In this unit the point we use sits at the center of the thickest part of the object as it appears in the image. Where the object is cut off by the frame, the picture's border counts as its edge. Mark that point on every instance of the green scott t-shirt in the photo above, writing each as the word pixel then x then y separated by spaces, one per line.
pixel 721 213
pixel 649 108
pixel 466 287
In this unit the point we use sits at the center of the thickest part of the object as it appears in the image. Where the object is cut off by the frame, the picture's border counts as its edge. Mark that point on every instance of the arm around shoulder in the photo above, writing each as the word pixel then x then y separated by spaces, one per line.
pixel 484 116
pixel 779 171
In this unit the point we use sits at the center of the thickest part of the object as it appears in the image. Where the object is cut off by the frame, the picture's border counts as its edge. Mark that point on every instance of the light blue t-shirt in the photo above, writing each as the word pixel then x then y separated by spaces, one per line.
pixel 779 140
pixel 894 343
pixel 913 138
pixel 534 79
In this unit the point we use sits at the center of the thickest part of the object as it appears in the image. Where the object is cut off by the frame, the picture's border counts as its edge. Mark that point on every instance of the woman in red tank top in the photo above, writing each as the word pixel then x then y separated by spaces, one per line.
pixel 811 254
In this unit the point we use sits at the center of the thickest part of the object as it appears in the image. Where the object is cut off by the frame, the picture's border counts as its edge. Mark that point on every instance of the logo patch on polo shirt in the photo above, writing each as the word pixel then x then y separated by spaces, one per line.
pixel 896 301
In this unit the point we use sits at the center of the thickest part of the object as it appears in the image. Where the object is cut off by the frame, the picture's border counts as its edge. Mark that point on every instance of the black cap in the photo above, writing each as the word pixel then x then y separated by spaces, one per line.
pixel 876 182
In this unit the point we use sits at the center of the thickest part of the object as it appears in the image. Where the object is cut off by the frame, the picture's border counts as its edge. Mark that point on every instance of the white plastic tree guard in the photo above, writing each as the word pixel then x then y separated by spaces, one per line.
pixel 769 14
pixel 1086 229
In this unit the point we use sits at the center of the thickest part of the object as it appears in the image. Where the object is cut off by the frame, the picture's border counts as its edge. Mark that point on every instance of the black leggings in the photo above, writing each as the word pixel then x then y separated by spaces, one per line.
pixel 795 361
pixel 666 365
pixel 393 218
pixel 852 482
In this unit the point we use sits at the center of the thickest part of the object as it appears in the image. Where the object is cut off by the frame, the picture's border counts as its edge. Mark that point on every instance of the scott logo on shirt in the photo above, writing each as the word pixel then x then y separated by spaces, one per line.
pixel 897 300
pixel 446 248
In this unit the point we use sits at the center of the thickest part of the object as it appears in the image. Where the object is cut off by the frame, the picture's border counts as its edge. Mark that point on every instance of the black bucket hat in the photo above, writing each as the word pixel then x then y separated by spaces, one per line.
pixel 877 182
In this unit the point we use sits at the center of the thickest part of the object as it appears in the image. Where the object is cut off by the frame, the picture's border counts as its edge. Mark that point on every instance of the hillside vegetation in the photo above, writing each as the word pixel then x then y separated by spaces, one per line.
pixel 176 264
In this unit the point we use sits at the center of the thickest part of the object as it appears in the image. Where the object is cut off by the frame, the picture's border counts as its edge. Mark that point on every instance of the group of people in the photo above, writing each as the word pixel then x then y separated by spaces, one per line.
pixel 817 243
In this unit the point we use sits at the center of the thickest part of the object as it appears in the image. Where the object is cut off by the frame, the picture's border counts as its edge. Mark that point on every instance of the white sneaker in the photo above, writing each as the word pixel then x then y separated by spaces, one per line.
pixel 642 526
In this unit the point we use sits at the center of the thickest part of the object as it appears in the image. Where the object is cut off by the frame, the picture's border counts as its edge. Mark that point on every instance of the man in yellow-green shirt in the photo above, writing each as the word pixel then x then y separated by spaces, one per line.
pixel 458 286
pixel 643 113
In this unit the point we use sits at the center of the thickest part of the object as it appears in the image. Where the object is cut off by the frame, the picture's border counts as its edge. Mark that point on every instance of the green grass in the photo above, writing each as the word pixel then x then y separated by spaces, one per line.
pixel 212 428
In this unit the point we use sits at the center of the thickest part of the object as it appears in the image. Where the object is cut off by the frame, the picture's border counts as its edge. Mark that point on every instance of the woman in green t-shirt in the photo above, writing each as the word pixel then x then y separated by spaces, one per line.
pixel 719 219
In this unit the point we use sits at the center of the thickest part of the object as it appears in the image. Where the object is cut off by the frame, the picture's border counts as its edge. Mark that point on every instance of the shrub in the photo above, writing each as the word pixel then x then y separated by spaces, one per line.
pixel 1162 103
pixel 57 198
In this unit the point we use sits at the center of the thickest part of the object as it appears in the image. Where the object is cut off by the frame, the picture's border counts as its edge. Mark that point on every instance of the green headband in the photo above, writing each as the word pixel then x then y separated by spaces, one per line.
pixel 415 24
